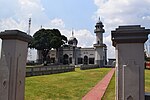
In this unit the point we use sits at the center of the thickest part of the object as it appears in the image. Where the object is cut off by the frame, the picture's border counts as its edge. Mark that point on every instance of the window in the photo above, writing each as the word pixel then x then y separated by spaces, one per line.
pixel 70 60
pixel 65 59
pixel 91 60
pixel 80 61
pixel 85 60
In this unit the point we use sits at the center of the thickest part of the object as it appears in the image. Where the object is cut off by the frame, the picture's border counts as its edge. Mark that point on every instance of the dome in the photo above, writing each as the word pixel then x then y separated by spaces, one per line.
pixel 73 41
pixel 99 23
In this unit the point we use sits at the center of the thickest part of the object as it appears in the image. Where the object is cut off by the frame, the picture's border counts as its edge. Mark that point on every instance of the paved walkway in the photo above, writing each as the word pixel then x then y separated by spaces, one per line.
pixel 97 92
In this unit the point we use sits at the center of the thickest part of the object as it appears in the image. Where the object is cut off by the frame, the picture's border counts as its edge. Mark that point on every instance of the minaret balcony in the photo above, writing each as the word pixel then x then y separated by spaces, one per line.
pixel 99 31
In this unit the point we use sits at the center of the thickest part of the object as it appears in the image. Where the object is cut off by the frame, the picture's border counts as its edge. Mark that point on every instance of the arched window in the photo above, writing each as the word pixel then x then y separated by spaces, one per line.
pixel 85 60
pixel 65 59
pixel 97 42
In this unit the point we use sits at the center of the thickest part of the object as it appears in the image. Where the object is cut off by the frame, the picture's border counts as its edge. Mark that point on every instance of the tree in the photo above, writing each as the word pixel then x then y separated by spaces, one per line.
pixel 57 41
pixel 45 39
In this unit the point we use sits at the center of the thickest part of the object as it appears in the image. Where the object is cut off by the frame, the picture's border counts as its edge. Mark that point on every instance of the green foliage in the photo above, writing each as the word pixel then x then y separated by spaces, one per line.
pixel 57 39
pixel 45 39
pixel 64 86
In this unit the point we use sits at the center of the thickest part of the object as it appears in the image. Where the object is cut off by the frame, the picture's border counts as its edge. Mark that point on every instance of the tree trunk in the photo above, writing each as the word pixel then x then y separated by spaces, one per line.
pixel 57 56
pixel 44 53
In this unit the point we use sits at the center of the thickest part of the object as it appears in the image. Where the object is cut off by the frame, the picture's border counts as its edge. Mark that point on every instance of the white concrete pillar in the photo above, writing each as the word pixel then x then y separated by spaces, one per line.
pixel 39 56
pixel 129 43
pixel 13 64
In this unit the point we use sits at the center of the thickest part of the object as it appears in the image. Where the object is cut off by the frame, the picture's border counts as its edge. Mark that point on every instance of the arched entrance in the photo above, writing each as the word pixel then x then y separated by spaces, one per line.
pixel 85 60
pixel 65 59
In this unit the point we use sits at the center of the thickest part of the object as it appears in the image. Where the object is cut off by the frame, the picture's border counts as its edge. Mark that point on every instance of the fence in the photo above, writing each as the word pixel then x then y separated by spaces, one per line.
pixel 84 67
pixel 35 71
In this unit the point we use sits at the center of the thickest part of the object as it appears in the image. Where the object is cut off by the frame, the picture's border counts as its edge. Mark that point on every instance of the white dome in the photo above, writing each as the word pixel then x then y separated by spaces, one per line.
pixel 72 41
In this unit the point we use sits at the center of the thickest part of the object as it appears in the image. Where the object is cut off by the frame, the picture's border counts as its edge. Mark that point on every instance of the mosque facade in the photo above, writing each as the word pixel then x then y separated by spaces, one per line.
pixel 73 55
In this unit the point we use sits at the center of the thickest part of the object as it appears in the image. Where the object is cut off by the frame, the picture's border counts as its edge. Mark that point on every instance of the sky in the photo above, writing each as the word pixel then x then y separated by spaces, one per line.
pixel 77 15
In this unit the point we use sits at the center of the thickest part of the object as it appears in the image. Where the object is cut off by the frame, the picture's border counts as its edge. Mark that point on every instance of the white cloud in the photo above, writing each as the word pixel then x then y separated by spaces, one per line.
pixel 19 11
pixel 15 15
pixel 56 23
pixel 10 23
pixel 121 12
pixel 30 8
pixel 110 48
pixel 85 38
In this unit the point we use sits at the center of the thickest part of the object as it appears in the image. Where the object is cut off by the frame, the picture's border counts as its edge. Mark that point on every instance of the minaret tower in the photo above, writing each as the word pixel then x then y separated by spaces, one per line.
pixel 99 46
pixel 29 26
pixel 29 50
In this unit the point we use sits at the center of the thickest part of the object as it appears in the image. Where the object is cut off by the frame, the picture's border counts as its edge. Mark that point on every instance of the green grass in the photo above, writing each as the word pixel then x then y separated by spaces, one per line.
pixel 71 85
pixel 147 80
pixel 110 92
pixel 64 86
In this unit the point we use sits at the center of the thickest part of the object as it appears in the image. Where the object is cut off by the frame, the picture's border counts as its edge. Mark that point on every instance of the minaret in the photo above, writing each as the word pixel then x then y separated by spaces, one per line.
pixel 99 46
pixel 29 26
pixel 99 32
pixel 29 50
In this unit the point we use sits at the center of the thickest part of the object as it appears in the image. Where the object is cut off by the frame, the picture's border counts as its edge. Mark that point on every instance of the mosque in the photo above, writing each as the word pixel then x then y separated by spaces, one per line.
pixel 73 55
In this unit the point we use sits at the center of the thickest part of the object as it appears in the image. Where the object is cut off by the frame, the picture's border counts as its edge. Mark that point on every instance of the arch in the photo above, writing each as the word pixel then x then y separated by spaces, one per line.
pixel 65 59
pixel 97 42
pixel 52 60
pixel 85 60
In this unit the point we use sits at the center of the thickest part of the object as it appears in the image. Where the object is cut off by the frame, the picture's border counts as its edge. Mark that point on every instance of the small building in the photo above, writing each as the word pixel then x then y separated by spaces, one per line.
pixel 112 62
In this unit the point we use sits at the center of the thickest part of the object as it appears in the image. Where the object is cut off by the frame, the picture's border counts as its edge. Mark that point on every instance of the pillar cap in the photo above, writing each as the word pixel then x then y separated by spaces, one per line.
pixel 129 34
pixel 15 34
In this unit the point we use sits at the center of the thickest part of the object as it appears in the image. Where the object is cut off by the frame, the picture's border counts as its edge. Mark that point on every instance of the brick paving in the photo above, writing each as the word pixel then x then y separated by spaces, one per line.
pixel 97 92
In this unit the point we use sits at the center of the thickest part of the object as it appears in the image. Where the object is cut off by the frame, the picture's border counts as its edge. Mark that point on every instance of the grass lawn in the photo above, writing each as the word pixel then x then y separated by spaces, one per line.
pixel 110 92
pixel 147 80
pixel 64 86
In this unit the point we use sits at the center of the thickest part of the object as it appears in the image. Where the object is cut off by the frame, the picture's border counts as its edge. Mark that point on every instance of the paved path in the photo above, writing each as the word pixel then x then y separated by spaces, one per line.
pixel 97 92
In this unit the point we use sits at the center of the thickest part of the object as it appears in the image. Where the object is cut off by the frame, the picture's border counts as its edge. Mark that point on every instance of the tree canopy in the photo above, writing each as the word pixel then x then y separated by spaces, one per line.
pixel 46 39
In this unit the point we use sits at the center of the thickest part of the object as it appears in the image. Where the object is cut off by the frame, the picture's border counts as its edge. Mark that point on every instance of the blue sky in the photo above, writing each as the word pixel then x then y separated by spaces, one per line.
pixel 76 14
pixel 79 15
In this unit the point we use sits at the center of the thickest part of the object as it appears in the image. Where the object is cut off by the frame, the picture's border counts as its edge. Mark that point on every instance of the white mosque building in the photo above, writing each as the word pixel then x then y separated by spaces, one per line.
pixel 73 55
